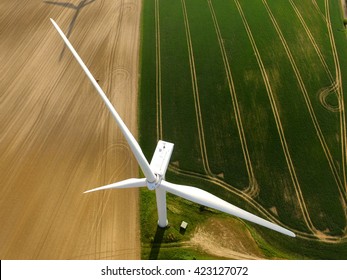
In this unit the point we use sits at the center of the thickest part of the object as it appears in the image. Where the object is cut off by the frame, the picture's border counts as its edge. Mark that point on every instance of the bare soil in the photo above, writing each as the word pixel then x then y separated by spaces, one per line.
pixel 57 138
pixel 224 239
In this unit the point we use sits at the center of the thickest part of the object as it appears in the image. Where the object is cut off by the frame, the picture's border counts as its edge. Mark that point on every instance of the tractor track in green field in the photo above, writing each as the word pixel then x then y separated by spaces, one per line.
pixel 314 2
pixel 307 100
pixel 216 181
pixel 313 41
pixel 336 85
pixel 340 98
pixel 279 126
pixel 248 194
pixel 309 106
pixel 253 188
pixel 195 88
pixel 254 204
pixel 209 176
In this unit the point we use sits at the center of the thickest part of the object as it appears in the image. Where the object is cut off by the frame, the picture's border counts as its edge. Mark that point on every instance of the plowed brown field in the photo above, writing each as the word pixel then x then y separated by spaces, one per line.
pixel 57 138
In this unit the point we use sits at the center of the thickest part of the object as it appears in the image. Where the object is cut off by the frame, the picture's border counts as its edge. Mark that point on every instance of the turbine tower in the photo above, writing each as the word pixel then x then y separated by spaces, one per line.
pixel 155 171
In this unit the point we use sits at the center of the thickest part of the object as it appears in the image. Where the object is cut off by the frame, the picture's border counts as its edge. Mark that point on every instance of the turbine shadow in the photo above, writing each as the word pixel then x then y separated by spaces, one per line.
pixel 156 244
pixel 77 8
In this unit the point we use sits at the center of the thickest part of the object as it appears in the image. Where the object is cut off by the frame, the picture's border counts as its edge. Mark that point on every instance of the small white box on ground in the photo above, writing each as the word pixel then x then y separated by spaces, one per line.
pixel 184 225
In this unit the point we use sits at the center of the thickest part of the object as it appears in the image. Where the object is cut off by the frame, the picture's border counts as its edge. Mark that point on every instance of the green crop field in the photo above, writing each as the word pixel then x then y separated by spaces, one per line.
pixel 252 95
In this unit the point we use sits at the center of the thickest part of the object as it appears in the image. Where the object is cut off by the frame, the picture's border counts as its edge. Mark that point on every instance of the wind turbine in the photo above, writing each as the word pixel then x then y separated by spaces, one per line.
pixel 155 171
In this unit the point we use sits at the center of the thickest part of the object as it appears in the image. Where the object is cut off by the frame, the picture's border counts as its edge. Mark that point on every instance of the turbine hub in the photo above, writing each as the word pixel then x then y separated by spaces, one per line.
pixel 153 185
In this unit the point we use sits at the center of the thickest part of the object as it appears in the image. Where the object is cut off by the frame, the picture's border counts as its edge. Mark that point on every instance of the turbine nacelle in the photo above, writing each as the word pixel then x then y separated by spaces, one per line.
pixel 160 162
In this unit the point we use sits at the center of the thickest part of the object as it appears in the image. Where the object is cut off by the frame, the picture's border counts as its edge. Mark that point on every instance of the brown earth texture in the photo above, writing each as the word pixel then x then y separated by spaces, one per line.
pixel 57 138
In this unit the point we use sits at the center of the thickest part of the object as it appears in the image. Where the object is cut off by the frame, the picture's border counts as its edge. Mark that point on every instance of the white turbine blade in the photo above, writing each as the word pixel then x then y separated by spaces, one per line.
pixel 129 183
pixel 127 134
pixel 204 198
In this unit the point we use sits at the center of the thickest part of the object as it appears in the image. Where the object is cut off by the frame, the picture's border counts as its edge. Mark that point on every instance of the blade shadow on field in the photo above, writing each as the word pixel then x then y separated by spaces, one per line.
pixel 77 9
pixel 156 244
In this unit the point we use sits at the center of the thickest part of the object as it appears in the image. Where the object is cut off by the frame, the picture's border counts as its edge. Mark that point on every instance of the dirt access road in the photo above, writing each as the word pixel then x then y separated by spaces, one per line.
pixel 57 138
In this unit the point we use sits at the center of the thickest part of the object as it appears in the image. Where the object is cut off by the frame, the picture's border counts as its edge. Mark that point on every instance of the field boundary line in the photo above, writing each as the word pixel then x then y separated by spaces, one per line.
pixel 195 88
pixel 253 188
pixel 308 103
pixel 277 118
